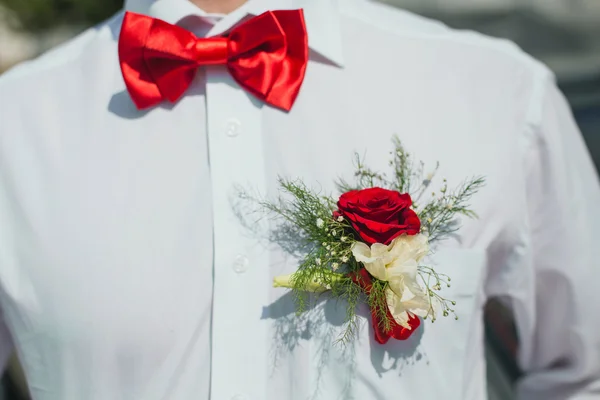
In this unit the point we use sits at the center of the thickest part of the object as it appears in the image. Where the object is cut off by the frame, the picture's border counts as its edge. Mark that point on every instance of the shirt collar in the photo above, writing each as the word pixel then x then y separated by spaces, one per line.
pixel 322 19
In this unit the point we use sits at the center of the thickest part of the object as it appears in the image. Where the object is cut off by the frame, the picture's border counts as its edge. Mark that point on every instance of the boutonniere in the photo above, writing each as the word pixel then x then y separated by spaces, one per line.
pixel 369 244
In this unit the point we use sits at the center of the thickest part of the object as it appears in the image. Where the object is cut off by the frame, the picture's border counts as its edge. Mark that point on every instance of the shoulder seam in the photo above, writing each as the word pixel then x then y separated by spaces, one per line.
pixel 444 33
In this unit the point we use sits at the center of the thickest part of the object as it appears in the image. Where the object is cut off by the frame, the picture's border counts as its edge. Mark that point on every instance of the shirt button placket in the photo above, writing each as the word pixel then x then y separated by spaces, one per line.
pixel 241 274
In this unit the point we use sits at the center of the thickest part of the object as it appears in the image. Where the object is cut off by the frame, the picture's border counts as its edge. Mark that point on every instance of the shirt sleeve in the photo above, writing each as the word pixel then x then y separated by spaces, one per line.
pixel 6 344
pixel 557 303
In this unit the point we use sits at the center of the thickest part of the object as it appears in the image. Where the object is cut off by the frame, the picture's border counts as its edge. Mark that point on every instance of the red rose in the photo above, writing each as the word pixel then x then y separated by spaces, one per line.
pixel 379 215
pixel 363 279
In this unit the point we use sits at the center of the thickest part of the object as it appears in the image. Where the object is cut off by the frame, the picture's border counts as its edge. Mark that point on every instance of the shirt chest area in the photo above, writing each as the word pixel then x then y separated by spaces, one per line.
pixel 137 212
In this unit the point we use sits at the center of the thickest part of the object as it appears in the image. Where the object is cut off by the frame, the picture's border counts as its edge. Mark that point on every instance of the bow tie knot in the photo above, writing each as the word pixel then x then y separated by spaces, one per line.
pixel 266 55
pixel 212 51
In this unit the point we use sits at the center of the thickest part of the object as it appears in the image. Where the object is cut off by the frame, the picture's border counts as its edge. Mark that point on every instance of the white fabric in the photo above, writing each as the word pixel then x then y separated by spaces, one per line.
pixel 125 274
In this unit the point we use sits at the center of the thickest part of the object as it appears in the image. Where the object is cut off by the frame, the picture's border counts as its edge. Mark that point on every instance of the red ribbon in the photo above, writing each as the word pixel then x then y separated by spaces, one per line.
pixel 363 279
pixel 266 55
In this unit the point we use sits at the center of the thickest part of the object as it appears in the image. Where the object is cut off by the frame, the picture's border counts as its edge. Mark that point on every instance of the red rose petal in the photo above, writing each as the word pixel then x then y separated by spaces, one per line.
pixel 379 215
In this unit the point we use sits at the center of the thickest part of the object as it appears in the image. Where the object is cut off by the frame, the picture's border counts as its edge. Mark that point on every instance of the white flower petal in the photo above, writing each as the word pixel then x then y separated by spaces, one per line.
pixel 416 289
pixel 408 269
pixel 420 246
pixel 378 250
pixel 377 269
pixel 374 265
pixel 416 304
pixel 362 252
pixel 397 285
pixel 396 263
pixel 412 247
pixel 397 309
pixel 402 320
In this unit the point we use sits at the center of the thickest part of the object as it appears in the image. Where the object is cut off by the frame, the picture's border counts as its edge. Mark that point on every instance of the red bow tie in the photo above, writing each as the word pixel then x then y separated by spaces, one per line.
pixel 266 55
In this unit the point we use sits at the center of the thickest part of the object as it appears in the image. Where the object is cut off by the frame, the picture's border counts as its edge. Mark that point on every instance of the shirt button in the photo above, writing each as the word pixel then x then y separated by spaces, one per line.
pixel 240 264
pixel 233 127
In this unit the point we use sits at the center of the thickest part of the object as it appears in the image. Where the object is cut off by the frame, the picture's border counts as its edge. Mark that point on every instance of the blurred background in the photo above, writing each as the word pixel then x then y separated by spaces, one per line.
pixel 565 34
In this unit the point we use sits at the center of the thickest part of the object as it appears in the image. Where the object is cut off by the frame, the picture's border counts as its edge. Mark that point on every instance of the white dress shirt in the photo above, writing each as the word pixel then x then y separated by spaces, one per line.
pixel 126 275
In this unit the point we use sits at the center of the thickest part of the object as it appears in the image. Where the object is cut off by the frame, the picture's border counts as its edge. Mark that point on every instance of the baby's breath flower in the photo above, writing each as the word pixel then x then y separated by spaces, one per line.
pixel 343 238
pixel 320 223
pixel 335 266
pixel 318 261
pixel 340 219
pixel 345 259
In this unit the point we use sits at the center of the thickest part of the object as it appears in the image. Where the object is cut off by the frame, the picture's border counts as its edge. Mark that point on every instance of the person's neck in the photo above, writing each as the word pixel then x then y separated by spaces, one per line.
pixel 218 6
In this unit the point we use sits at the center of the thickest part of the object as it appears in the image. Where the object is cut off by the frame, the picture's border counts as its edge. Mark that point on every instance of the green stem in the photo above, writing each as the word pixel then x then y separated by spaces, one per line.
pixel 318 284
